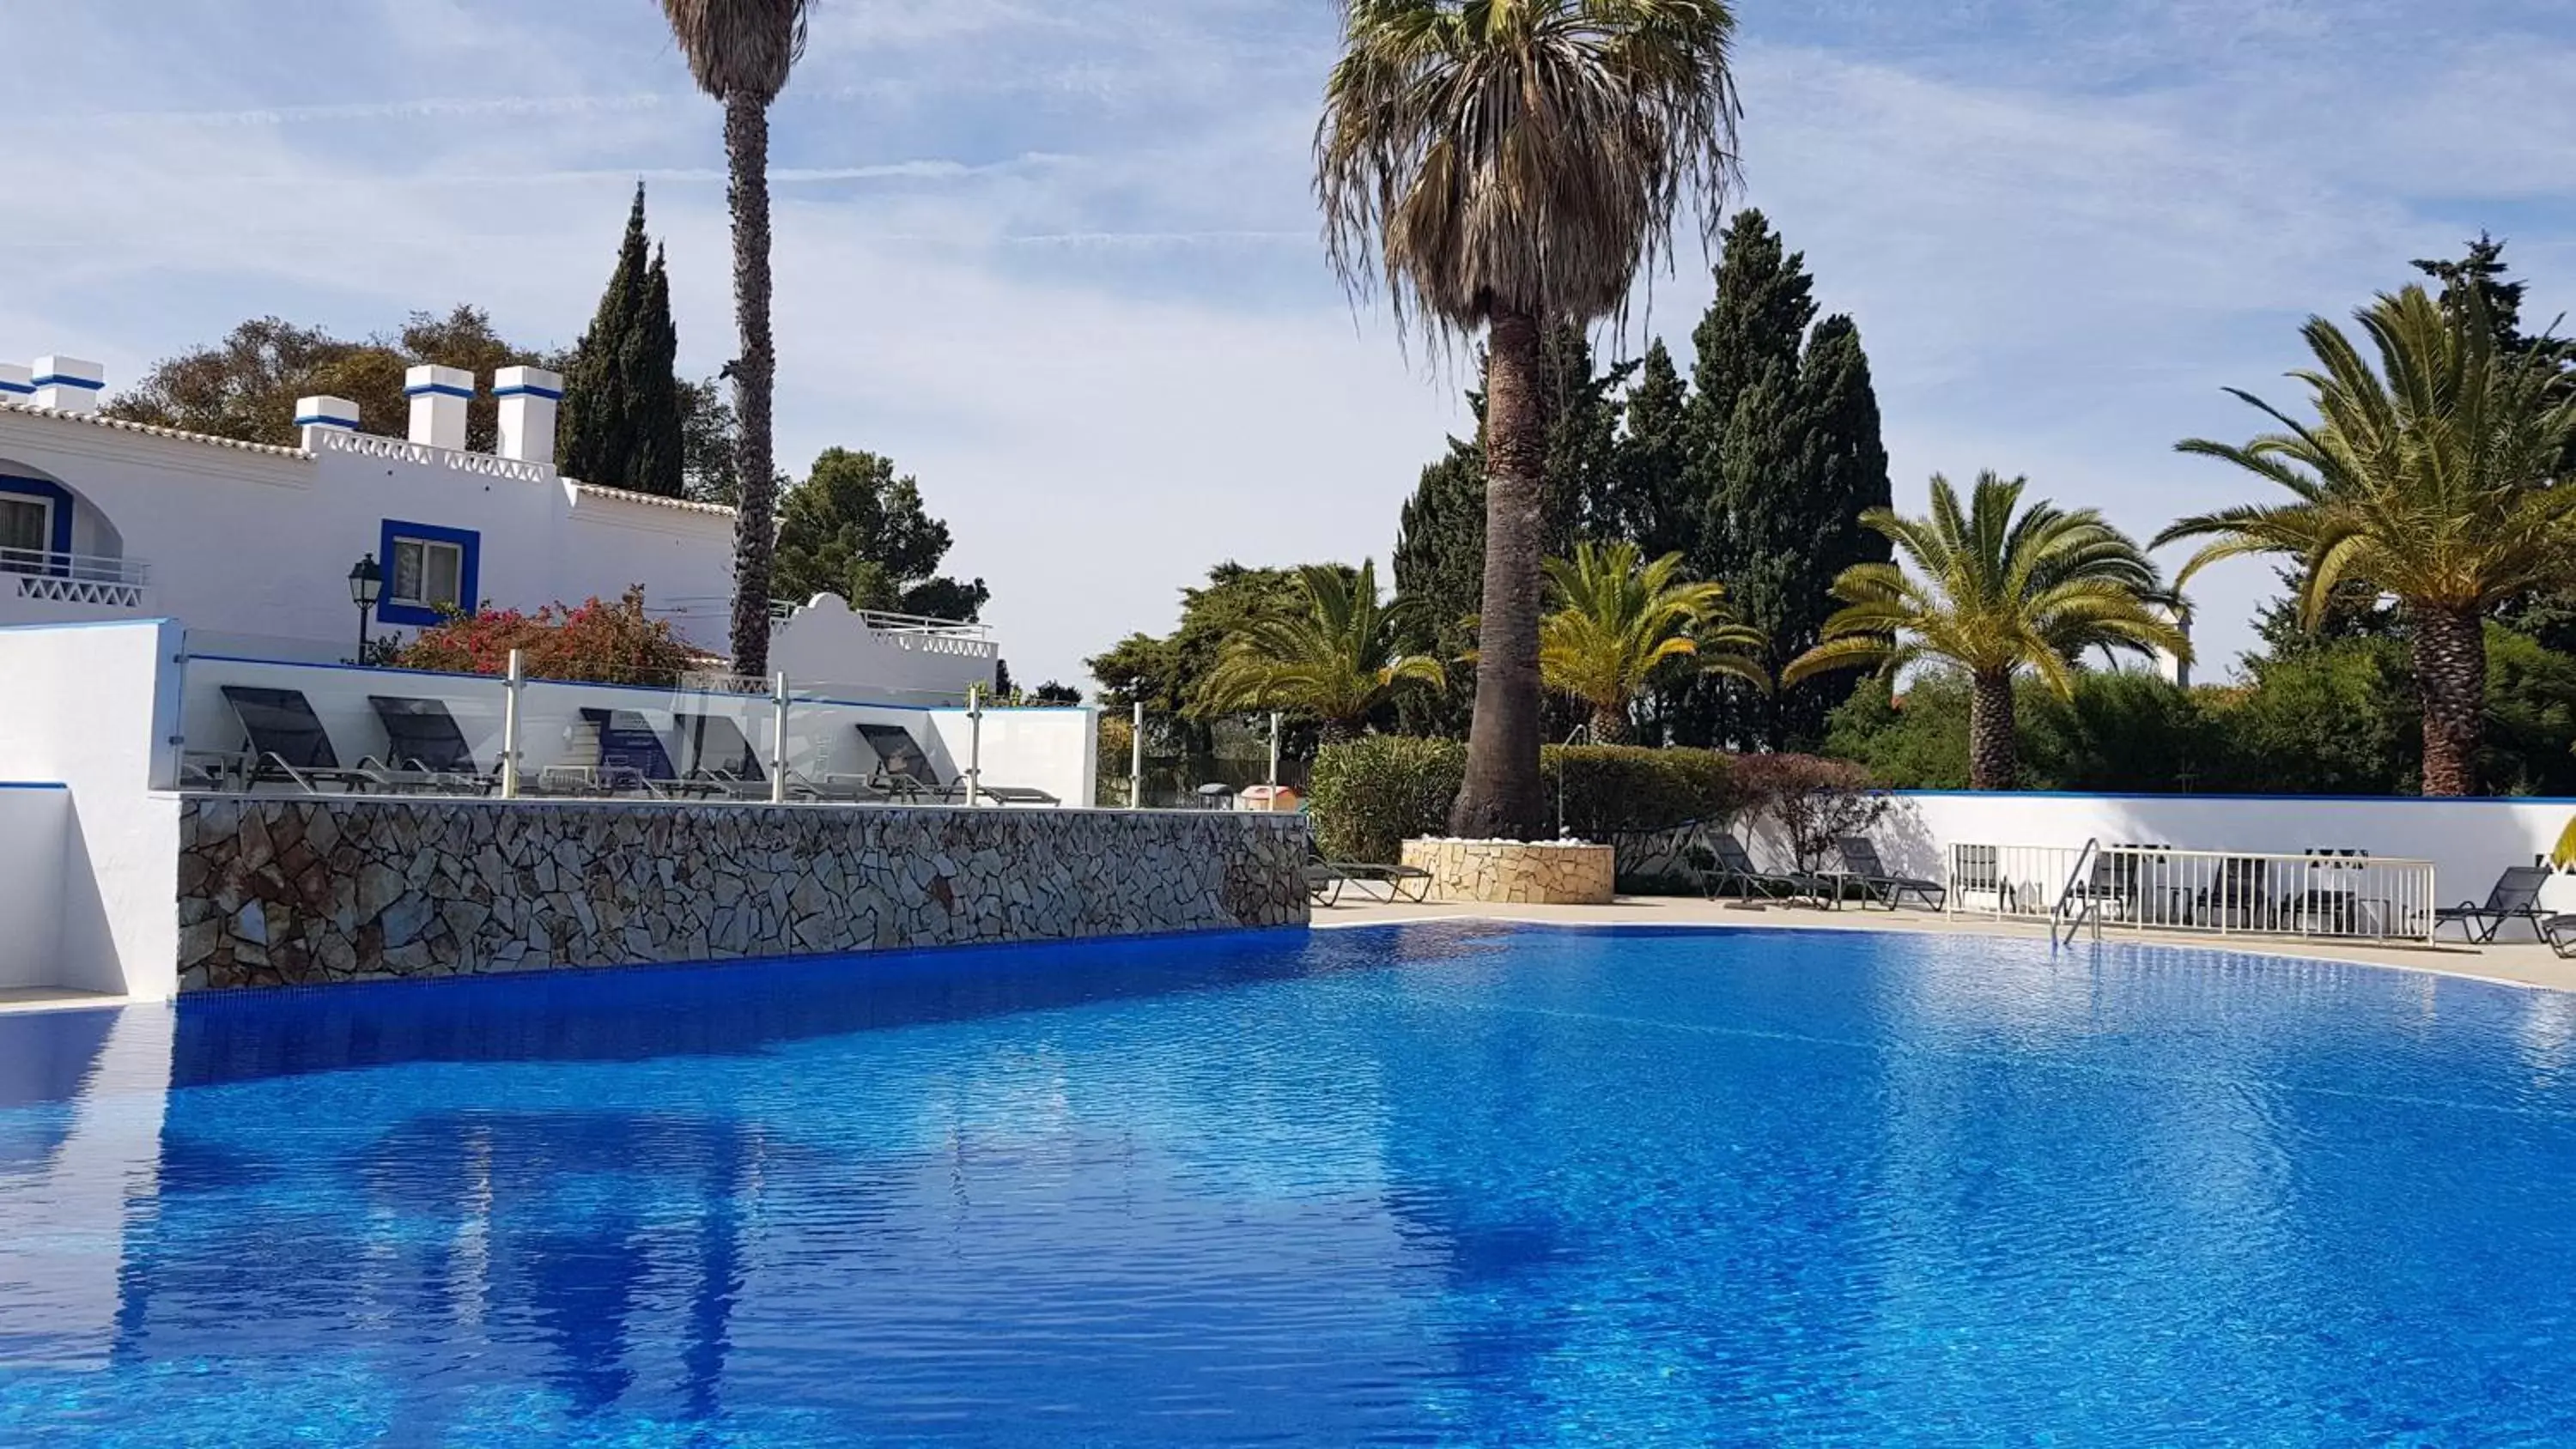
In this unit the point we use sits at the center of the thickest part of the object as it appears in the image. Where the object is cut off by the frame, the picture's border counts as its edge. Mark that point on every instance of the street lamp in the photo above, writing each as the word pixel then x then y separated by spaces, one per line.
pixel 366 582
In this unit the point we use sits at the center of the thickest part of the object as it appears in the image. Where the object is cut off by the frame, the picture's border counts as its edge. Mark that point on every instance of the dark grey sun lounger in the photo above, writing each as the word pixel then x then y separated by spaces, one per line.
pixel 1402 882
pixel 1732 868
pixel 2560 933
pixel 2516 897
pixel 905 772
pixel 424 749
pixel 286 740
pixel 722 757
pixel 1862 868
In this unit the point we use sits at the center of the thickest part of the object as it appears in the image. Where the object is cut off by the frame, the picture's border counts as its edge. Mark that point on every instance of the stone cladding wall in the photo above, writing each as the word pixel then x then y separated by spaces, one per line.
pixel 1533 873
pixel 296 890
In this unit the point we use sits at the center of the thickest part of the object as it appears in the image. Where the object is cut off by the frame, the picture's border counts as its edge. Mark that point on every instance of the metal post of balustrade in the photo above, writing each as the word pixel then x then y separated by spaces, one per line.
pixel 1136 760
pixel 778 738
pixel 518 678
pixel 974 746
pixel 1274 752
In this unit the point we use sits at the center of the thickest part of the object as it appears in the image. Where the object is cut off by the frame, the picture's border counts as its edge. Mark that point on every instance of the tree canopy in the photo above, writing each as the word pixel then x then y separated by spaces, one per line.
pixel 855 529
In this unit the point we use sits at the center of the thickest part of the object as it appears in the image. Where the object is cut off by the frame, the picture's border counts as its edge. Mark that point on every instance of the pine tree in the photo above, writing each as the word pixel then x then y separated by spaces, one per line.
pixel 621 408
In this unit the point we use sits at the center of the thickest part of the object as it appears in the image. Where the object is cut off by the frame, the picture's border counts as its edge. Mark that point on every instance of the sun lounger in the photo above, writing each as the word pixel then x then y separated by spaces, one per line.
pixel 1863 870
pixel 722 757
pixel 2560 933
pixel 2516 897
pixel 1731 867
pixel 616 752
pixel 286 741
pixel 905 772
pixel 1402 882
pixel 424 749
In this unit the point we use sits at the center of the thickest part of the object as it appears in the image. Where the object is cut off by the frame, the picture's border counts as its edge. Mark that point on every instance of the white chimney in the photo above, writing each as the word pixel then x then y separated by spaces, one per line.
pixel 315 414
pixel 528 397
pixel 438 398
pixel 17 384
pixel 2176 672
pixel 69 384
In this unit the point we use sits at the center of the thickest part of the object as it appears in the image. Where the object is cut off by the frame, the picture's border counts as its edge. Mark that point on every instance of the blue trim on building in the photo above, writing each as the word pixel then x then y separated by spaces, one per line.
pixel 549 393
pixel 325 420
pixel 61 522
pixel 440 388
pixel 24 388
pixel 2269 799
pixel 33 785
pixel 56 379
pixel 468 572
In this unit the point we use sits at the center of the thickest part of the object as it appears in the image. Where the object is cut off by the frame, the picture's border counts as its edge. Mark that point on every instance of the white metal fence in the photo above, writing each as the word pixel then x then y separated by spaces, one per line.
pixel 2224 893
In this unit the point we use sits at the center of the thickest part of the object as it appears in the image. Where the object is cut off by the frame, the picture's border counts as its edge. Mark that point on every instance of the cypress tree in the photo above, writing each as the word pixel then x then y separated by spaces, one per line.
pixel 650 362
pixel 1649 499
pixel 620 423
pixel 1783 453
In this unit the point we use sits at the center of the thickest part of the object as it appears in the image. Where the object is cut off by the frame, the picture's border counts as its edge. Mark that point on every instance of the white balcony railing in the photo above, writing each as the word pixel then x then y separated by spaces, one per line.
pixel 88 580
pixel 2222 893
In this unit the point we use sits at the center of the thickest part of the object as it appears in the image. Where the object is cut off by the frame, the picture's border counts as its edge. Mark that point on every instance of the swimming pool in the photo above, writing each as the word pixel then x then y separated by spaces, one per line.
pixel 1429 1185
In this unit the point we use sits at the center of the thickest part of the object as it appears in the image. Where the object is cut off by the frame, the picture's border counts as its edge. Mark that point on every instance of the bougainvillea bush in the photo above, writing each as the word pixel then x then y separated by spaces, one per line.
pixel 597 640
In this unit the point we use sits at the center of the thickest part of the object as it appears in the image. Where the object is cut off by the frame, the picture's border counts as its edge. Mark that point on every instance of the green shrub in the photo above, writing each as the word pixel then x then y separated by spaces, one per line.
pixel 1598 791
pixel 1372 792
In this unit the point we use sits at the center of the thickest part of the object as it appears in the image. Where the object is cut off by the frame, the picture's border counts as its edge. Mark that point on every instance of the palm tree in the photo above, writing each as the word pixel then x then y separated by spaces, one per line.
pixel 1510 165
pixel 1338 659
pixel 2432 483
pixel 740 52
pixel 1617 622
pixel 1995 589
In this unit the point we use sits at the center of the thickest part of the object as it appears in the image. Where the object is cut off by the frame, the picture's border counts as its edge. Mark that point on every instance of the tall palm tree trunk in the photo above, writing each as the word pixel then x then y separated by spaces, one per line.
pixel 1502 796
pixel 755 535
pixel 1994 746
pixel 2451 670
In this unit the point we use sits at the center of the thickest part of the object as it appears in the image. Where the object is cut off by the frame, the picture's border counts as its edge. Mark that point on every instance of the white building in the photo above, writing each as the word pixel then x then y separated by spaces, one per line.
pixel 251 545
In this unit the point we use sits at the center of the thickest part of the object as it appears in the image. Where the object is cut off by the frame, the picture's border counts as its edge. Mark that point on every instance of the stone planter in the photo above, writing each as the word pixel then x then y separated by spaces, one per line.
pixel 1516 872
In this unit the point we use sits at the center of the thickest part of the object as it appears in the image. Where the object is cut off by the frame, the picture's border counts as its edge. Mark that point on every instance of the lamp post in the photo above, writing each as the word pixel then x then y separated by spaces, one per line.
pixel 366 583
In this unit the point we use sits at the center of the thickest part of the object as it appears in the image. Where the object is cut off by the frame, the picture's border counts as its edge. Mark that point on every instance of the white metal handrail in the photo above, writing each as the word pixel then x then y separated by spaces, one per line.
pixel 2222 893
pixel 85 567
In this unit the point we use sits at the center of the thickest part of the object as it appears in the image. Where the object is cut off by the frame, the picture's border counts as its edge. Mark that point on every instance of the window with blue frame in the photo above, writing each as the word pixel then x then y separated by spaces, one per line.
pixel 428 570
pixel 35 526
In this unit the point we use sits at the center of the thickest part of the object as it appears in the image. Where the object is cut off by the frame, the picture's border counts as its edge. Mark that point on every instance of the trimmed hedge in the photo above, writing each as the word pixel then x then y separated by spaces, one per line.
pixel 1372 793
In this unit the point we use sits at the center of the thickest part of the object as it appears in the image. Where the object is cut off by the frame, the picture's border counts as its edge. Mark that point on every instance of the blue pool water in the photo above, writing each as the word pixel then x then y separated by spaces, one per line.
pixel 1437 1185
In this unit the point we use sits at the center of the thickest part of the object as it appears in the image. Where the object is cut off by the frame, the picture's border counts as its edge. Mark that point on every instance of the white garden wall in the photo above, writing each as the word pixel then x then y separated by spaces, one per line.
pixel 35 829
pixel 2469 842
pixel 95 708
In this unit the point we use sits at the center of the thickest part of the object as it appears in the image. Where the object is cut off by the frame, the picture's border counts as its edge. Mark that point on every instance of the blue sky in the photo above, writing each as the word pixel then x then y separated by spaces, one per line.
pixel 1059 257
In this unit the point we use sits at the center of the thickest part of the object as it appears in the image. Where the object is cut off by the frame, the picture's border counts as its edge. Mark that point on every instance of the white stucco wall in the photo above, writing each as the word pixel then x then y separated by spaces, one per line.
pixel 259 541
pixel 2470 842
pixel 93 707
pixel 35 830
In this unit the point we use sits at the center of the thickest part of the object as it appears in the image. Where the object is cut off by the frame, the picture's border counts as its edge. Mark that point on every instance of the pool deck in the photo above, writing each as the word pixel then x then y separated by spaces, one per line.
pixel 2519 963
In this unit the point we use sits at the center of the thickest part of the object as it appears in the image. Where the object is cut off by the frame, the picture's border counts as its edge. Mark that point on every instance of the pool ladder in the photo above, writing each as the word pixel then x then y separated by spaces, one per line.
pixel 2085 904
